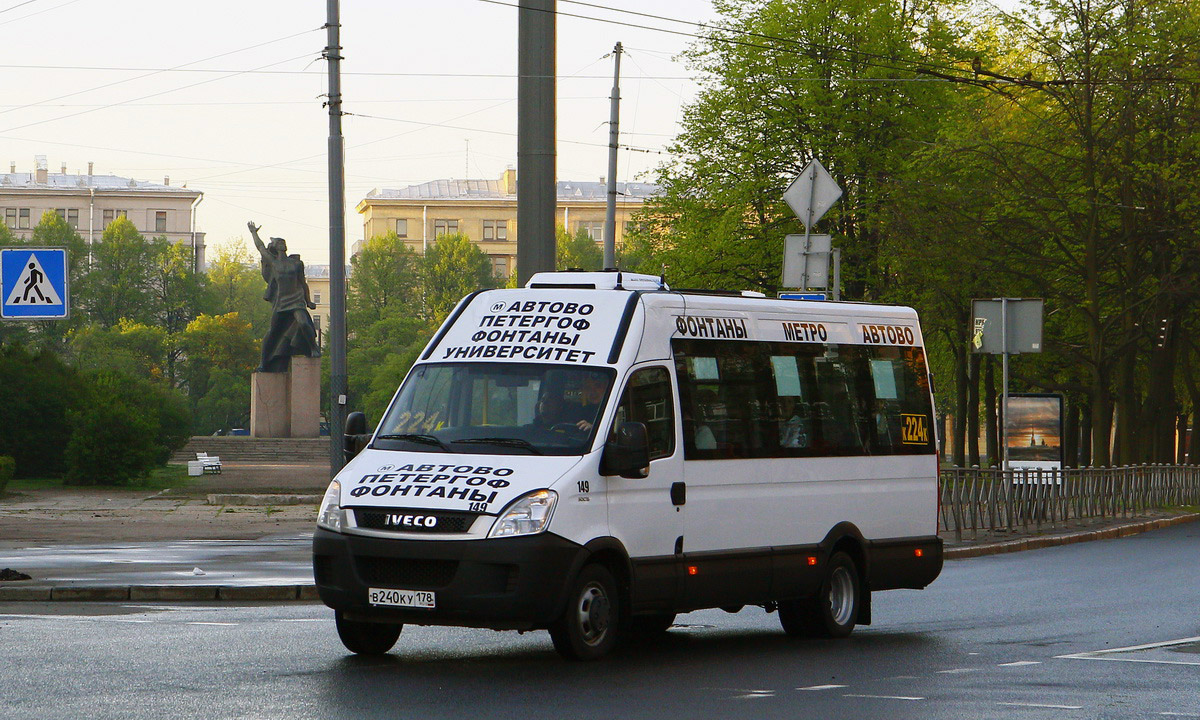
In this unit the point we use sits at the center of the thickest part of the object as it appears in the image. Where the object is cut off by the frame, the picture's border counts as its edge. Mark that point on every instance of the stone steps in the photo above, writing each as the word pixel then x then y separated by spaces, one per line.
pixel 235 448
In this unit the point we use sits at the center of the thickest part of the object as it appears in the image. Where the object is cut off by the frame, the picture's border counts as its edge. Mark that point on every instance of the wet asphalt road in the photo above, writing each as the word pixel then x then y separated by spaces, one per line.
pixel 1027 635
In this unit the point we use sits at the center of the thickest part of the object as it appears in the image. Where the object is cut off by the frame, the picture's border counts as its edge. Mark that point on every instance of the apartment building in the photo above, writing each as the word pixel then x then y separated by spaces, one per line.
pixel 90 202
pixel 486 212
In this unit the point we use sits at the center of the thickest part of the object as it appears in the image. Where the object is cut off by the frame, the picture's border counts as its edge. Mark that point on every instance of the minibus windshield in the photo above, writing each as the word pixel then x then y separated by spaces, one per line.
pixel 497 409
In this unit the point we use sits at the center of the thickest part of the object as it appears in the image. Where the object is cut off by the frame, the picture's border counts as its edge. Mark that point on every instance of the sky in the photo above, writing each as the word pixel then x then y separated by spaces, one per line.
pixel 225 97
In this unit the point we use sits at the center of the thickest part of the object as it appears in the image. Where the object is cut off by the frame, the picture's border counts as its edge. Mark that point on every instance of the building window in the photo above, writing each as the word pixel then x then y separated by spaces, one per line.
pixel 160 221
pixel 69 215
pixel 10 217
pixel 500 266
pixel 110 215
pixel 445 227
pixel 495 230
pixel 402 228
pixel 316 298
pixel 23 218
pixel 593 228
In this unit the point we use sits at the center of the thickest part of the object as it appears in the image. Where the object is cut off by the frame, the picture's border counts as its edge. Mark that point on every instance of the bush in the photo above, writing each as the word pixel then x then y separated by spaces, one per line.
pixel 127 427
pixel 111 444
pixel 7 467
pixel 36 393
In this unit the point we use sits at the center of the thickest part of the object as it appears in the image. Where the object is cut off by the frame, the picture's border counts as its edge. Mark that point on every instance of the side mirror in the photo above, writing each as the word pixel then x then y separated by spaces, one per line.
pixel 356 436
pixel 627 452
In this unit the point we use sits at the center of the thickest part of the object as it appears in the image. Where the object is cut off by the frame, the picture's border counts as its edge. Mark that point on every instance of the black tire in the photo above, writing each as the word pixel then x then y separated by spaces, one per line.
pixel 833 613
pixel 589 625
pixel 367 638
pixel 650 626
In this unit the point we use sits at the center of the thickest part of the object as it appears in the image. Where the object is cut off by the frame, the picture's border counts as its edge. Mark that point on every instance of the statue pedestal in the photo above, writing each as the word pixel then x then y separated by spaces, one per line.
pixel 287 404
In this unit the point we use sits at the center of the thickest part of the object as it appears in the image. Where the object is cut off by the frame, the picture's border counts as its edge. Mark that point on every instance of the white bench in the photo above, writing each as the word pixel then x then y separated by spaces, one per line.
pixel 209 464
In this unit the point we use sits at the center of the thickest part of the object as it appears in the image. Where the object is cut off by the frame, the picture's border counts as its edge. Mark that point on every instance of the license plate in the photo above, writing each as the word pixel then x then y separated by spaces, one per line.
pixel 402 598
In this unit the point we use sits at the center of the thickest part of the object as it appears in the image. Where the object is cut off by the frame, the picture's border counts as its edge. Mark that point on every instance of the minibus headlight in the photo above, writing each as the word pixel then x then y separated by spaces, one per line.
pixel 528 515
pixel 332 516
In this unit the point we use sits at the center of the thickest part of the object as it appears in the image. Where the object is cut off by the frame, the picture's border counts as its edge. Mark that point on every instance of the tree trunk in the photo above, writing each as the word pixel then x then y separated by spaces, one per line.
pixel 973 411
pixel 1070 438
pixel 992 447
pixel 1085 436
pixel 960 404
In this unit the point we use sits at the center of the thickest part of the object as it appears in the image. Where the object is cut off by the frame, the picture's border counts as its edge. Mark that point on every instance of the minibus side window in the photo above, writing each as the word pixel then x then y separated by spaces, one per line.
pixel 647 399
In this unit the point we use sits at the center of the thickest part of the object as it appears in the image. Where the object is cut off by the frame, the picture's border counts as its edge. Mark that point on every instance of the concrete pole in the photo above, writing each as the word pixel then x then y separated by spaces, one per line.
pixel 610 210
pixel 337 245
pixel 536 191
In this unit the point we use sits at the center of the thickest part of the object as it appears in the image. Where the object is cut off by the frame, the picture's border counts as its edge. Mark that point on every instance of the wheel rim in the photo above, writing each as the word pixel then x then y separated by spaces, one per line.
pixel 593 614
pixel 841 595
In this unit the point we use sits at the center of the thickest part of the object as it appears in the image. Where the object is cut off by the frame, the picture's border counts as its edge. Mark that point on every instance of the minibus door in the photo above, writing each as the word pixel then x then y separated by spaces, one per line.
pixel 646 514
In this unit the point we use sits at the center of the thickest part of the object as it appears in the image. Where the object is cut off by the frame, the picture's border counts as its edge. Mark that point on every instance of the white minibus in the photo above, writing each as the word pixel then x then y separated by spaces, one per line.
pixel 595 453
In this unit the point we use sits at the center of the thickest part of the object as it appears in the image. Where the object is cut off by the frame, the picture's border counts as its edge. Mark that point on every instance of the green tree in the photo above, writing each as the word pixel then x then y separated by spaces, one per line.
pixel 829 78
pixel 132 347
pixel 386 280
pixel 119 285
pixel 453 267
pixel 577 251
pixel 378 358
pixel 176 294
pixel 221 353
pixel 235 285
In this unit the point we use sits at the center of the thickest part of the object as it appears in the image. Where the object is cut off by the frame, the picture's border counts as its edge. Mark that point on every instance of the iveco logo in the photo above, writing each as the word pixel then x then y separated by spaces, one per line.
pixel 411 521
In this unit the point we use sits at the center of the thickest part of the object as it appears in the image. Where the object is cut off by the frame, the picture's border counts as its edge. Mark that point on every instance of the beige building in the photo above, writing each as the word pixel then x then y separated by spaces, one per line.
pixel 90 202
pixel 486 212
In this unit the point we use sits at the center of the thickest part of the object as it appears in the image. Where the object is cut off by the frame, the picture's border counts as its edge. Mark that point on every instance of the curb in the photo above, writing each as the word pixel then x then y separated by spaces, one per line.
pixel 246 499
pixel 153 593
pixel 1035 543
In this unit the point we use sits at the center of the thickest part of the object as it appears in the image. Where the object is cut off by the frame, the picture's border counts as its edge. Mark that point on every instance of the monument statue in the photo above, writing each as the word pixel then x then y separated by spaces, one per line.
pixel 292 331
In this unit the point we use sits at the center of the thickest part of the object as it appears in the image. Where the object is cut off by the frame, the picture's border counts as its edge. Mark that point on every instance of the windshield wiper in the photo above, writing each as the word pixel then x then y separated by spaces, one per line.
pixel 503 442
pixel 423 439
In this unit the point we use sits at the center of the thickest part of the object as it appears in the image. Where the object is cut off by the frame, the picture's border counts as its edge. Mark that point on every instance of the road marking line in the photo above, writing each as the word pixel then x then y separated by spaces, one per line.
pixel 883 697
pixel 218 624
pixel 1133 648
pixel 822 687
pixel 956 671
pixel 303 620
pixel 1175 714
pixel 1041 705
pixel 1020 663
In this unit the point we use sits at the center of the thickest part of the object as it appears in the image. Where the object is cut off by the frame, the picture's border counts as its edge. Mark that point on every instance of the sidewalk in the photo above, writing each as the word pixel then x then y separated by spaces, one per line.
pixel 245 535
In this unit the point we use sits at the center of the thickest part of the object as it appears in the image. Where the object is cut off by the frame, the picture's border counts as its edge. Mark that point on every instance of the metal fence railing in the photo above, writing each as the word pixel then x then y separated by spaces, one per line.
pixel 977 500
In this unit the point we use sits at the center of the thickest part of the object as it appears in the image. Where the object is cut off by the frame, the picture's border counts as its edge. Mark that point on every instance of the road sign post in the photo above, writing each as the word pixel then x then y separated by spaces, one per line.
pixel 34 283
pixel 1006 326
pixel 810 196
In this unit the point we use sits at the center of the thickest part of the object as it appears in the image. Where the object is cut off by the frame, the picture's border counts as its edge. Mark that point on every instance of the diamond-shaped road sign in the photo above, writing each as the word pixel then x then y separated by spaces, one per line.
pixel 33 283
pixel 812 193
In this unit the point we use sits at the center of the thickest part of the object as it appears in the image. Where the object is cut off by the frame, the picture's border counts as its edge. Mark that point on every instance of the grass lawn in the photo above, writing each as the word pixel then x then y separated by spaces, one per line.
pixel 160 478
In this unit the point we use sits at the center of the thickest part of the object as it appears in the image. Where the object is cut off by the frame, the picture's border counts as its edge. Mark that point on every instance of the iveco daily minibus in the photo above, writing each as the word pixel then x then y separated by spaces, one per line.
pixel 594 453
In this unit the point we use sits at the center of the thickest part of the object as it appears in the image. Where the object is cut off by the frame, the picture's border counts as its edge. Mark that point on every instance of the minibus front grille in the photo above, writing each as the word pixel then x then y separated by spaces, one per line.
pixel 405 573
pixel 439 522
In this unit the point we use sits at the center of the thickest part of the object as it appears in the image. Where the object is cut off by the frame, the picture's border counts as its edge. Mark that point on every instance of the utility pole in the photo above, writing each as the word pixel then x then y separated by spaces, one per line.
pixel 610 210
pixel 536 182
pixel 337 243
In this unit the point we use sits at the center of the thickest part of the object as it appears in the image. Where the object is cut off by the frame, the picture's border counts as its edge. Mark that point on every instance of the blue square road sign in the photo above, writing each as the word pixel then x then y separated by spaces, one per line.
pixel 33 283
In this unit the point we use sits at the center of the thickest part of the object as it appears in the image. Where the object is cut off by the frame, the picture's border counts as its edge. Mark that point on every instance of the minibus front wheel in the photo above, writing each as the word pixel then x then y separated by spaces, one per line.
pixel 367 638
pixel 588 628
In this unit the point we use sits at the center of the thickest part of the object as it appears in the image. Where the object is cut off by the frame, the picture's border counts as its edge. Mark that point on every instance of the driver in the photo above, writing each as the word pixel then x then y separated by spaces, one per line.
pixel 550 410
pixel 593 394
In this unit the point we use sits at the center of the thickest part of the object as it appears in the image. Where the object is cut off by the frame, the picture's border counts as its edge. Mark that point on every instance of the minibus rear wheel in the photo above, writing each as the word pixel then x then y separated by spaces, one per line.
pixel 367 638
pixel 833 612
pixel 588 628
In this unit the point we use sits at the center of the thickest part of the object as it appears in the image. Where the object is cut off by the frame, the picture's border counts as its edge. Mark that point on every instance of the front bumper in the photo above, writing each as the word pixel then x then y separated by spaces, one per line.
pixel 505 583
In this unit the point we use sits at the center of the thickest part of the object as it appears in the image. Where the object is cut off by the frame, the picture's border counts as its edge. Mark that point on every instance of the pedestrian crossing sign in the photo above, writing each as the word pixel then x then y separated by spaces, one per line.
pixel 33 283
